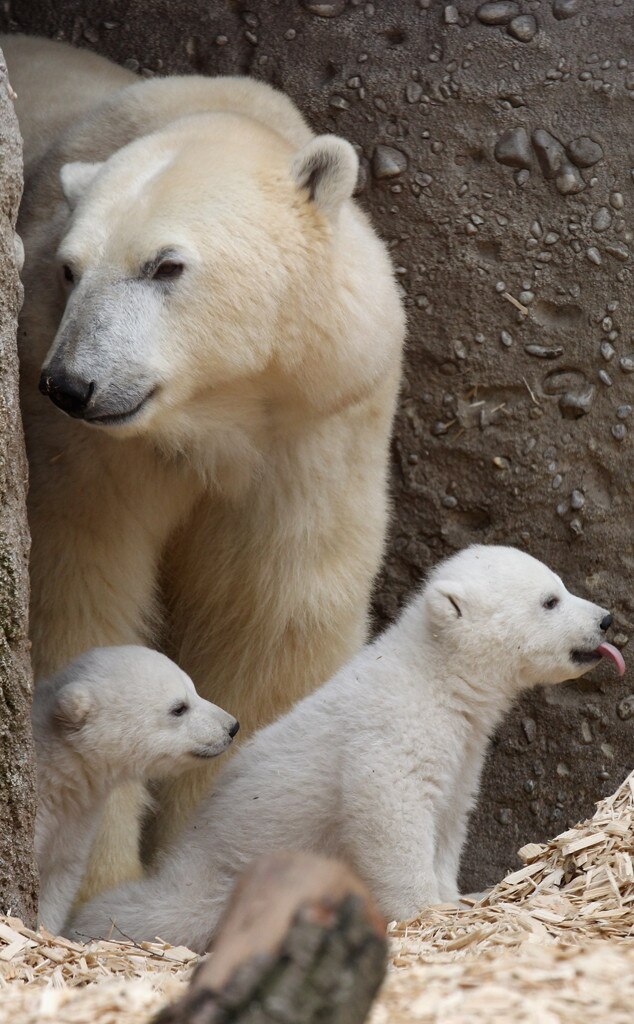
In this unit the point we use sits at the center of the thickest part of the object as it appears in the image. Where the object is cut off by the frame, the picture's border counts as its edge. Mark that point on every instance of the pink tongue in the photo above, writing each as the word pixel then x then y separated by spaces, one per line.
pixel 608 651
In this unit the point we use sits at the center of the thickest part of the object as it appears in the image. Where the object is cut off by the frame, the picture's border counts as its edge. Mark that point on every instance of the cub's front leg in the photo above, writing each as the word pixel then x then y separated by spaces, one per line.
pixel 389 835
pixel 453 823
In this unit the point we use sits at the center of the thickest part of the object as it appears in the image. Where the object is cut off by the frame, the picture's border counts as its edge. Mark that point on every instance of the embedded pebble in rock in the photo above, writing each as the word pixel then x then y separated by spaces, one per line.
pixel 324 10
pixel 550 153
pixel 521 177
pixel 627 363
pixel 452 15
pixel 625 707
pixel 563 9
pixel 555 164
pixel 542 352
pixel 497 13
pixel 506 338
pixel 619 430
pixel 623 411
pixel 602 219
pixel 616 200
pixel 523 28
pixel 514 148
pixel 607 351
pixel 569 181
pixel 584 151
pixel 424 180
pixel 577 499
pixel 605 378
pixel 594 255
pixel 573 406
pixel 413 92
pixel 388 162
pixel 618 251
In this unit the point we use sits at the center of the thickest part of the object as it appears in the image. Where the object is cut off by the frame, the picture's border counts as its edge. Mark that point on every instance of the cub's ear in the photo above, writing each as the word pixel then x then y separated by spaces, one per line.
pixel 327 167
pixel 447 600
pixel 72 707
pixel 76 179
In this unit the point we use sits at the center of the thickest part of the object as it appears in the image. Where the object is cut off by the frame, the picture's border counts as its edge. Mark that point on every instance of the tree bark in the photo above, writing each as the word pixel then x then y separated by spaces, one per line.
pixel 18 873
pixel 301 943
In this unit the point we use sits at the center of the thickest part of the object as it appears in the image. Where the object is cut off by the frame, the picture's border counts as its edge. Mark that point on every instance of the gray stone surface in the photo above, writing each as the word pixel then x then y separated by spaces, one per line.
pixel 18 875
pixel 515 422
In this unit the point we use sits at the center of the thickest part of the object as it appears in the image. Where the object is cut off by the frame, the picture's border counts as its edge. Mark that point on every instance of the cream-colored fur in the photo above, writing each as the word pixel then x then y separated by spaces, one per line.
pixel 113 713
pixel 238 519
pixel 381 765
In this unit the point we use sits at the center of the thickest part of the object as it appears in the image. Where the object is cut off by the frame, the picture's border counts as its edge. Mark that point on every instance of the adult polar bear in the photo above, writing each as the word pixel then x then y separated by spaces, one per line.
pixel 203 293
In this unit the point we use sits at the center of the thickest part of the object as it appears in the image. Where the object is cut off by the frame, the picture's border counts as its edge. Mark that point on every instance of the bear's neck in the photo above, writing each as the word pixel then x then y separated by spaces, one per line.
pixel 480 694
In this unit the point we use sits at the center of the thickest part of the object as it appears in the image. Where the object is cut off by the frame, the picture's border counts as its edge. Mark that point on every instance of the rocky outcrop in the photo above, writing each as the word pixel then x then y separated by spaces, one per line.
pixel 18 875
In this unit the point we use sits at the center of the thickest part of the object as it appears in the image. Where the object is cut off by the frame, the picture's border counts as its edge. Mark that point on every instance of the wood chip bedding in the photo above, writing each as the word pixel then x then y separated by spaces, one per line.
pixel 552 942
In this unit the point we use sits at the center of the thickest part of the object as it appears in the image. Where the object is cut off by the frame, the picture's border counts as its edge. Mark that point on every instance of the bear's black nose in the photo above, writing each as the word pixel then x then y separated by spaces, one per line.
pixel 606 622
pixel 72 394
pixel 234 729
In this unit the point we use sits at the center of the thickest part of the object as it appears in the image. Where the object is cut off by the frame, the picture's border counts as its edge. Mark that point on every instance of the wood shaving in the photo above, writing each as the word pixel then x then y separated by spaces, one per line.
pixel 550 944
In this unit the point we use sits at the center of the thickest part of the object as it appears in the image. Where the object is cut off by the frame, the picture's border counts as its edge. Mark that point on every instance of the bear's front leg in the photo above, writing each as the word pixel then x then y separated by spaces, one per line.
pixel 390 838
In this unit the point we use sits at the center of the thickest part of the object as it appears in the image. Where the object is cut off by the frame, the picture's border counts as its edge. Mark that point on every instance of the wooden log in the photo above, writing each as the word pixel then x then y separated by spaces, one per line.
pixel 300 943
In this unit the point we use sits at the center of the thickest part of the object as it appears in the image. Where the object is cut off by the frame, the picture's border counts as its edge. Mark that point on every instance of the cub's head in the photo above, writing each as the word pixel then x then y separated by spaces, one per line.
pixel 209 274
pixel 132 712
pixel 508 616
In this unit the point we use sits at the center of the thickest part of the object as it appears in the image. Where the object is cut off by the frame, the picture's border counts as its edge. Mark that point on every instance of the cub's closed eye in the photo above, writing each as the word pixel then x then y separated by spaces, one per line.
pixel 67 274
pixel 179 709
pixel 168 270
pixel 550 602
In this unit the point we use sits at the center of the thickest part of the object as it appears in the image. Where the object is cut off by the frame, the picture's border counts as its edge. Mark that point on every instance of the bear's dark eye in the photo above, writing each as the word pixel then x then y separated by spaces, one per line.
pixel 168 270
pixel 68 274
pixel 179 709
pixel 550 602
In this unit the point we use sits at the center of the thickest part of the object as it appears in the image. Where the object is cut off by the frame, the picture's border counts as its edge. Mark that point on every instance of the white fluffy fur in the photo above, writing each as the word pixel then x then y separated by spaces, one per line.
pixel 380 765
pixel 238 518
pixel 114 714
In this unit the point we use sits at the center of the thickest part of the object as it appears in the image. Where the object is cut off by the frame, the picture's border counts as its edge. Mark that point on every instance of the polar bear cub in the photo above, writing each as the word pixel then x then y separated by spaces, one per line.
pixel 112 715
pixel 380 766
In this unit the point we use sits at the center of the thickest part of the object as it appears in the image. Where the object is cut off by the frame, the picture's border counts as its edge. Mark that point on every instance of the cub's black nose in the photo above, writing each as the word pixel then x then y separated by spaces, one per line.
pixel 234 729
pixel 72 394
pixel 606 622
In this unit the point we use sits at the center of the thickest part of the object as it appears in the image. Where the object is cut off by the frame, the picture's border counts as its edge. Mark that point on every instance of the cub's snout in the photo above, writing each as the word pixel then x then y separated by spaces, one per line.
pixel 595 648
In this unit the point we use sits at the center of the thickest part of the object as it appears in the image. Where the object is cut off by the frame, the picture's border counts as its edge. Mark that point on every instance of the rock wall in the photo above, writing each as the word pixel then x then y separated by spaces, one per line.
pixel 497 156
pixel 18 875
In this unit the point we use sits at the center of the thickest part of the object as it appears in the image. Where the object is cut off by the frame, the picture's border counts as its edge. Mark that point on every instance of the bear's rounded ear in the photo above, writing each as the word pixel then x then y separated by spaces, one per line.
pixel 76 178
pixel 446 600
pixel 327 167
pixel 72 707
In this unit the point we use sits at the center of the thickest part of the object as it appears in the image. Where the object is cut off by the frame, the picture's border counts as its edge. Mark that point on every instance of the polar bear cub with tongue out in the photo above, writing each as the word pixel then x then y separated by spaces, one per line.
pixel 381 765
